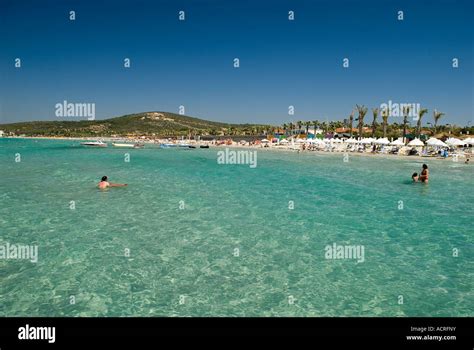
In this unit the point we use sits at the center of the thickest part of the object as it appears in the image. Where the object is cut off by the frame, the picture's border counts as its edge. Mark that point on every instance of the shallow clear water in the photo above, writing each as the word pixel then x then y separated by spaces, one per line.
pixel 182 261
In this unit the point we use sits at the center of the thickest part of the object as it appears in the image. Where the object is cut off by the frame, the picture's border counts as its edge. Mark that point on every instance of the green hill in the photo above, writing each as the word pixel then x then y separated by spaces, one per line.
pixel 159 124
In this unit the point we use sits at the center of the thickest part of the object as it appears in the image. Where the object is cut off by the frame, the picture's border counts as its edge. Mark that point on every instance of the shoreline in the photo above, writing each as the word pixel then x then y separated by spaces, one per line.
pixel 275 148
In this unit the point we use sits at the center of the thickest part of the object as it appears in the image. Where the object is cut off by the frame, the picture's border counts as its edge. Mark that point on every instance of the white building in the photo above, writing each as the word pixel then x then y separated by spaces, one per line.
pixel 312 131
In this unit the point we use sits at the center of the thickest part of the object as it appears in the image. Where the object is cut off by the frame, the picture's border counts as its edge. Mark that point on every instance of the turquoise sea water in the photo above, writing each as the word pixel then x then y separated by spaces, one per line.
pixel 183 262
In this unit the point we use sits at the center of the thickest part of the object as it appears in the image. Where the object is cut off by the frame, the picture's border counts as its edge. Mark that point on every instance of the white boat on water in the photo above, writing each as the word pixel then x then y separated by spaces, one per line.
pixel 167 145
pixel 94 144
pixel 127 145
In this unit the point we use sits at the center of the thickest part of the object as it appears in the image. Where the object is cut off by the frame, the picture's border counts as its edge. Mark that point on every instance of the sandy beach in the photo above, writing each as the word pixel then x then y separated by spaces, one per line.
pixel 260 147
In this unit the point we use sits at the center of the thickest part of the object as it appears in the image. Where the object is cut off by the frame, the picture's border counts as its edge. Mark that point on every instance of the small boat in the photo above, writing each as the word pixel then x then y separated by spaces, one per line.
pixel 204 146
pixel 128 145
pixel 94 144
pixel 167 145
pixel 192 146
pixel 123 145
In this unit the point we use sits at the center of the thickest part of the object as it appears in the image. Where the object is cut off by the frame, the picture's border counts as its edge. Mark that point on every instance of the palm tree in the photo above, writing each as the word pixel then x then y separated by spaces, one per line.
pixel 385 121
pixel 291 126
pixel 285 126
pixel 324 126
pixel 362 110
pixel 421 113
pixel 316 126
pixel 406 111
pixel 299 123
pixel 436 116
pixel 307 125
pixel 375 112
pixel 351 120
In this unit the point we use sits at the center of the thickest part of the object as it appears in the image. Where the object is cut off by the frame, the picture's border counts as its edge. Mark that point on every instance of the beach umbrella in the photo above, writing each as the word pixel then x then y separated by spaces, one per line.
pixel 441 144
pixel 397 142
pixel 318 141
pixel 284 141
pixel 265 140
pixel 450 141
pixel 382 141
pixel 454 142
pixel 416 142
pixel 336 140
pixel 351 140
pixel 433 141
pixel 469 141
pixel 367 141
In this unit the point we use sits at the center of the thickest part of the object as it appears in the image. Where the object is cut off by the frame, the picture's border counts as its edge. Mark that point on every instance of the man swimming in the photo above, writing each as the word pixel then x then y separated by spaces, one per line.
pixel 103 184
pixel 424 174
pixel 414 177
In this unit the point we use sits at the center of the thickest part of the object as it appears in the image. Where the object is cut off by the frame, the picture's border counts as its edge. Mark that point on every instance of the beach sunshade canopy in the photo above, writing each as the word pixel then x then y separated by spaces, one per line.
pixel 455 142
pixel 441 144
pixel 469 141
pixel 416 142
pixel 284 141
pixel 337 140
pixel 397 142
pixel 265 140
pixel 435 142
pixel 351 140
pixel 382 141
pixel 367 141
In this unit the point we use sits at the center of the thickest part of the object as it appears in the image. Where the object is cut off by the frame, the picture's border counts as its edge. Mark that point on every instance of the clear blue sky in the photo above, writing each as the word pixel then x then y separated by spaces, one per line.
pixel 190 63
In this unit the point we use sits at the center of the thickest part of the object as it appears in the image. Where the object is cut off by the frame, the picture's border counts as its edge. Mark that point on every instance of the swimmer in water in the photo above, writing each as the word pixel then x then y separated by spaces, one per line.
pixel 424 174
pixel 414 177
pixel 103 184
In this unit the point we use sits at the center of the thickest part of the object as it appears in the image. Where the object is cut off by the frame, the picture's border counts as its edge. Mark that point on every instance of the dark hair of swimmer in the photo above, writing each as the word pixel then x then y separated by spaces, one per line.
pixel 414 174
pixel 104 178
pixel 425 166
